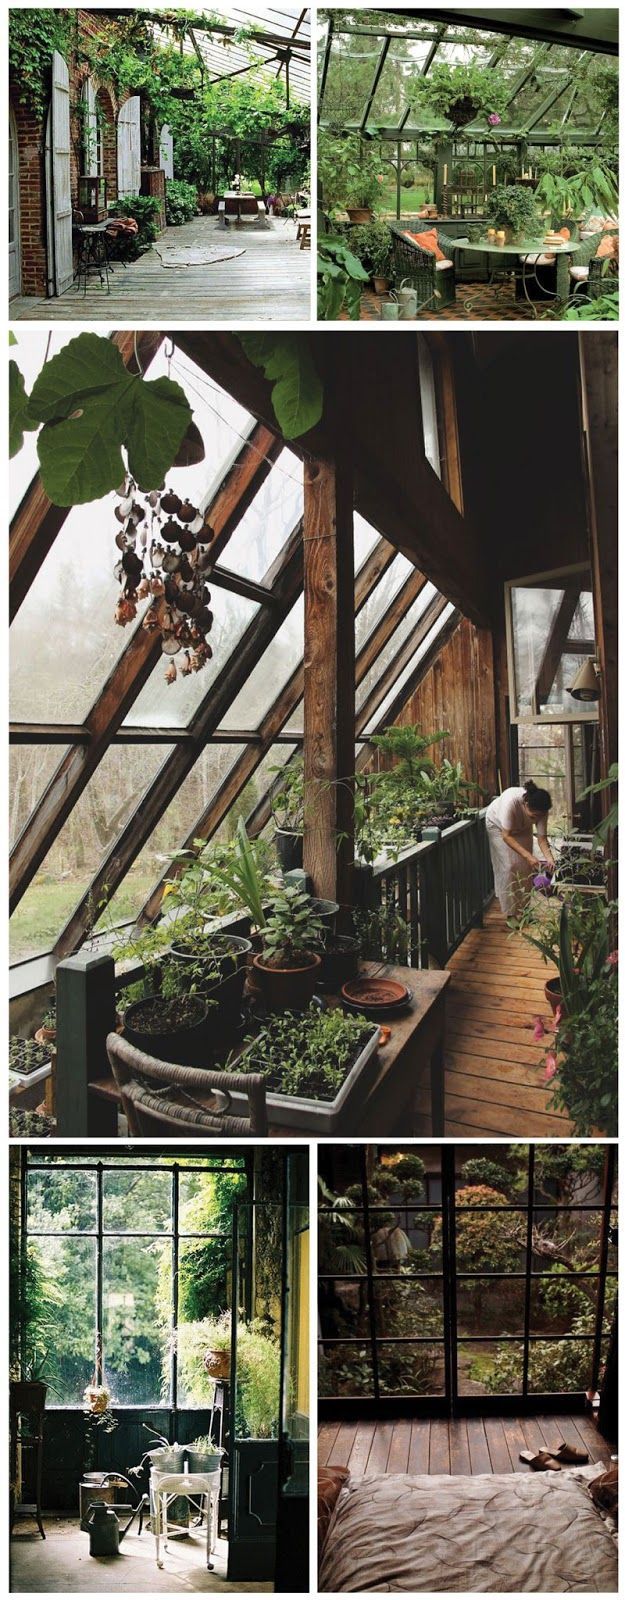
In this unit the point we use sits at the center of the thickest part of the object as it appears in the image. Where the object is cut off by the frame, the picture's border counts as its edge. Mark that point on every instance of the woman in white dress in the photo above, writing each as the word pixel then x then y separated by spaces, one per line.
pixel 510 820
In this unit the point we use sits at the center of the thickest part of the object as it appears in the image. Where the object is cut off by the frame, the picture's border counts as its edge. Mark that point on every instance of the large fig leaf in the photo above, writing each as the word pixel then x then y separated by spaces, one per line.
pixel 20 420
pixel 156 415
pixel 86 366
pixel 286 360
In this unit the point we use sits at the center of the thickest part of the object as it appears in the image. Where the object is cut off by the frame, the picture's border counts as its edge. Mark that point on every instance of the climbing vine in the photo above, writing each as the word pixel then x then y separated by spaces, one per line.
pixel 34 35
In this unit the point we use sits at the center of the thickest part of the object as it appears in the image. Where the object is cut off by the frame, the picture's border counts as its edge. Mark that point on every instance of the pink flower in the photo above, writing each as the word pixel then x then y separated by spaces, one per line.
pixel 612 960
pixel 551 1066
pixel 557 1017
pixel 539 1029
pixel 494 119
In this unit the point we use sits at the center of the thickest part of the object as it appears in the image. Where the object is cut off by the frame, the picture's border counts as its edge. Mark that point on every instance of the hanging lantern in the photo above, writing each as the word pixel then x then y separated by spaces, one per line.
pixel 163 544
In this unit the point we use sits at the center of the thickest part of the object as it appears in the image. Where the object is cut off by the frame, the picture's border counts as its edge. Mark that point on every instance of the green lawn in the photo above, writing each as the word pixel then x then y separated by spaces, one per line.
pixel 43 912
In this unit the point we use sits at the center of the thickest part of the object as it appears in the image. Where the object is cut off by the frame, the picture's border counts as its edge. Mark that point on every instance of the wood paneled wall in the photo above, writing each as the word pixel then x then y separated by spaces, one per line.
pixel 458 693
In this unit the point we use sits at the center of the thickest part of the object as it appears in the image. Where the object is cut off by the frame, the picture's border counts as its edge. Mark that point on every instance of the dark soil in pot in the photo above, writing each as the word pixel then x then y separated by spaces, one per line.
pixel 553 993
pixel 339 961
pixel 287 988
pixel 173 1030
pixel 327 911
pixel 290 848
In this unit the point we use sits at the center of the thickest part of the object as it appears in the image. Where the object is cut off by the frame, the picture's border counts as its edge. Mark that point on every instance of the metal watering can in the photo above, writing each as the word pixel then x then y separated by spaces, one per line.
pixel 104 1528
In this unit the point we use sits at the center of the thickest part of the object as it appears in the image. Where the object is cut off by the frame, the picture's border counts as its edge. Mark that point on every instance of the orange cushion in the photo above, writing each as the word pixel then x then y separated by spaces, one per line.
pixel 330 1483
pixel 429 241
pixel 565 233
pixel 608 246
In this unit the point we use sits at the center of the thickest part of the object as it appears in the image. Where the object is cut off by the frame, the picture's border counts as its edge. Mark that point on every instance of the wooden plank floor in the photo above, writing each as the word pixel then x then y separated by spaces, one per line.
pixel 270 282
pixel 466 1446
pixel 494 1077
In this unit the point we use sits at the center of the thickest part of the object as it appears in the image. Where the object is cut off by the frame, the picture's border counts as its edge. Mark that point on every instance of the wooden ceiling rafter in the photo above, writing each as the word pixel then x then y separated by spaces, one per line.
pixel 237 487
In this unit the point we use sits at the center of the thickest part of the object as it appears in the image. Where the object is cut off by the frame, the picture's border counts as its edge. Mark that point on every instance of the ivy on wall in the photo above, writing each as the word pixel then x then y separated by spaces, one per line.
pixel 34 35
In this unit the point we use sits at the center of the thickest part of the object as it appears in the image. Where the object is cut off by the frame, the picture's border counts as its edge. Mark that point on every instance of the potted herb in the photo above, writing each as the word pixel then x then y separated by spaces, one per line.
pixel 216 964
pixel 287 810
pixel 203 1455
pixel 288 966
pixel 172 1028
pixel 513 209
pixel 362 194
pixel 216 1357
pixel 316 1063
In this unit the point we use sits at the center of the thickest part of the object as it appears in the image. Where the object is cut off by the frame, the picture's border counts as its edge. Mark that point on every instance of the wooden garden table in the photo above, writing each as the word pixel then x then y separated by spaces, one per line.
pixel 414 1050
pixel 521 251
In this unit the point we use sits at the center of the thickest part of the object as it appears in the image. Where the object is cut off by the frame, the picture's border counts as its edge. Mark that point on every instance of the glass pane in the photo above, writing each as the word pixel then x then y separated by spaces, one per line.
pixel 487 1305
pixel 407 1240
pixel 545 616
pixel 365 540
pixel 267 523
pixel 136 1318
pixel 385 591
pixel 411 1368
pixel 429 411
pixel 31 767
pixel 136 1202
pixel 60 1202
pixel 341 1240
pixel 576 1233
pixel 563 1304
pixel 497 1178
pixel 491 1368
pixel 105 806
pixel 383 709
pixel 569 1173
pixel 256 1376
pixel 270 675
pixel 205 1277
pixel 172 705
pixel 490 1241
pixel 345 1369
pixel 69 1277
pixel 562 1367
pixel 296 1393
pixel 390 649
pixel 29 355
pixel 343 1308
pixel 411 1308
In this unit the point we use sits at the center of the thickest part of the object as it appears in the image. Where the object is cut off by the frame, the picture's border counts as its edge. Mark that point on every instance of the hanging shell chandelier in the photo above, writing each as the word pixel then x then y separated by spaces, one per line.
pixel 164 553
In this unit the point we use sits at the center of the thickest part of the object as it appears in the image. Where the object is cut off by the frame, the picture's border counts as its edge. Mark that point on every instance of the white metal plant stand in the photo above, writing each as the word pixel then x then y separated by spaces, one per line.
pixel 167 1486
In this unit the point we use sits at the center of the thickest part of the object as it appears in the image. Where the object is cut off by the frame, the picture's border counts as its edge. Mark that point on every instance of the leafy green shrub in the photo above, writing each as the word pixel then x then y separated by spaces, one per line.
pixel 180 202
pixel 145 208
pixel 514 207
pixel 258 1371
pixel 340 280
pixel 480 1170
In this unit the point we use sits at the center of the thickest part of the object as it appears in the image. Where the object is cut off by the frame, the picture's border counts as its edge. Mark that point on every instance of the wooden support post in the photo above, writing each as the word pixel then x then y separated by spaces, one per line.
pixel 85 1013
pixel 329 713
pixel 599 372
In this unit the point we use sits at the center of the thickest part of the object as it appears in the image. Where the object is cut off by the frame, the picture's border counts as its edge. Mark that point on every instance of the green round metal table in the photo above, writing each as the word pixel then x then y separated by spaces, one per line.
pixel 525 252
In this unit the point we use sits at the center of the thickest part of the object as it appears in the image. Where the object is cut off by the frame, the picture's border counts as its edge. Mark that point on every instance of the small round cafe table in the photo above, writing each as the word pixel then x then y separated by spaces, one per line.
pixel 525 252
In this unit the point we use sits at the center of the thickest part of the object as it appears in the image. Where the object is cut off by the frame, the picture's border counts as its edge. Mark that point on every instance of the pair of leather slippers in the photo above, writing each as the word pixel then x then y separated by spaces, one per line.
pixel 553 1460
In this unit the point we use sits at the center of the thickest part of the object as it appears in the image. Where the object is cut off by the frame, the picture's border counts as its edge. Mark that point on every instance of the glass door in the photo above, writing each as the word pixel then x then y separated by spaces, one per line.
pixel 293 1454
pixel 255 1390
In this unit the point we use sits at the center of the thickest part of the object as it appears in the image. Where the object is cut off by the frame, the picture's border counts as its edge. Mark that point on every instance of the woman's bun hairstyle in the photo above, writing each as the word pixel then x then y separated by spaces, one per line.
pixel 538 799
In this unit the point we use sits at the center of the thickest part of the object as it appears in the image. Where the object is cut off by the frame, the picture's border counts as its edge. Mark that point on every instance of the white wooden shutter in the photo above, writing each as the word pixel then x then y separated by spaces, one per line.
pixel 90 126
pixel 61 196
pixel 129 148
pixel 166 151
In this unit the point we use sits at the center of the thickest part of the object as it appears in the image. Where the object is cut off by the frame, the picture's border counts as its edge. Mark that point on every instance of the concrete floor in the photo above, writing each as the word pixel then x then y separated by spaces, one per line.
pixel 63 1565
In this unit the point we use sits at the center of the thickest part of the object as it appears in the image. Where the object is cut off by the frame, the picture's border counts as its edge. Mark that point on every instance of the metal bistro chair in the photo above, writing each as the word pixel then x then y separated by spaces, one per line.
pixel 161 1097
pixel 434 281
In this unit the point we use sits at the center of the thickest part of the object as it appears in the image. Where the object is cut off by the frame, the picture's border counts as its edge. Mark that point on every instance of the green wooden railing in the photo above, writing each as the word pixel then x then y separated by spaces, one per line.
pixel 418 909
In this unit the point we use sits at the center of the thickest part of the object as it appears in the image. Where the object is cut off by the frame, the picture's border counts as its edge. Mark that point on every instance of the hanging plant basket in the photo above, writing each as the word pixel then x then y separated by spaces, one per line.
pixel 463 110
pixel 182 94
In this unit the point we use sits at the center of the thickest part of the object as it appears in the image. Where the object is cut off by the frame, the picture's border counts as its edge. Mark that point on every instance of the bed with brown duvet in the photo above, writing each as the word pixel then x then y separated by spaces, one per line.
pixel 516 1533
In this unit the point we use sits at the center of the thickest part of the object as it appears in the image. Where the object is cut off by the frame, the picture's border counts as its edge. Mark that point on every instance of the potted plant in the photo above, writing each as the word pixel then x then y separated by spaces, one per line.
pixel 339 961
pixel 361 196
pixel 315 1063
pixel 202 1455
pixel 172 1028
pixel 288 966
pixel 216 1357
pixel 287 810
pixel 461 92
pixel 216 964
pixel 513 209
pixel 374 247
pixel 46 1032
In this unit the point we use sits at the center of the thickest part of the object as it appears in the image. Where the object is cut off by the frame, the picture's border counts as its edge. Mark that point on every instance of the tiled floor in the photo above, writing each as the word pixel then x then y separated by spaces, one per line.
pixel 474 302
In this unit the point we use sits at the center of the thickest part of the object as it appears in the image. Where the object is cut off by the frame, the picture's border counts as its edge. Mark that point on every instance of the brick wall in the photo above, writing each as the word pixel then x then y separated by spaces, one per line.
pixel 31 148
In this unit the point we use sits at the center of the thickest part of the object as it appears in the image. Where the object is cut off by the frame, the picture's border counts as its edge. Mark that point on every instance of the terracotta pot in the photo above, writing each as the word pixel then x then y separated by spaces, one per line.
pixel 45 1035
pixel 217 1364
pixel 288 988
pixel 553 993
pixel 381 285
pixel 359 213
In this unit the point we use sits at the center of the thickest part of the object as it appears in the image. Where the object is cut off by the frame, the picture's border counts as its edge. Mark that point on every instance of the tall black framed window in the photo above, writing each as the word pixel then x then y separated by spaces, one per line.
pixel 466 1278
pixel 131 1253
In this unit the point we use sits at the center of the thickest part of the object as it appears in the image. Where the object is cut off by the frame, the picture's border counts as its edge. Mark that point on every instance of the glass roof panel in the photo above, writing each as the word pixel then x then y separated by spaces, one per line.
pixel 270 675
pixel 104 808
pixel 382 710
pixel 365 540
pixel 172 705
pixel 269 520
pixel 380 600
pixel 401 69
pixel 31 767
pixel 388 653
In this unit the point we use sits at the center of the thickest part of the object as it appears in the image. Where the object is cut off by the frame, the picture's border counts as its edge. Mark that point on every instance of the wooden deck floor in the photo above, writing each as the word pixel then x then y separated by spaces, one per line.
pixel 494 1076
pixel 466 1446
pixel 270 282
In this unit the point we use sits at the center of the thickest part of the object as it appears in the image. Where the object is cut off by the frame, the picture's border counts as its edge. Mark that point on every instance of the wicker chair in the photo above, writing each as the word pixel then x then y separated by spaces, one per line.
pixel 159 1097
pixel 586 268
pixel 435 284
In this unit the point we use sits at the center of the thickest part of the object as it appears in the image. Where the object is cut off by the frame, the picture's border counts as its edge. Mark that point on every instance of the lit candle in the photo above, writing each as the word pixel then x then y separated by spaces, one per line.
pixel 500 236
pixel 445 173
pixel 494 176
pixel 491 234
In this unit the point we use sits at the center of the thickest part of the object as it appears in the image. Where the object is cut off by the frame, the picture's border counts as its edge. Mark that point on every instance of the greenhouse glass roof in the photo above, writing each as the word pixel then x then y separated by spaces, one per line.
pixel 371 61
pixel 259 43
pixel 114 770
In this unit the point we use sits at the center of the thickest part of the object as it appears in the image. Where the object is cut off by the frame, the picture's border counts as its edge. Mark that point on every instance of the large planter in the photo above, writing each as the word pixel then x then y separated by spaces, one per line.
pixel 184 1046
pixel 359 213
pixel 287 988
pixel 229 953
pixel 381 285
pixel 319 1116
pixel 327 911
pixel 97 1488
pixel 290 848
pixel 203 1460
